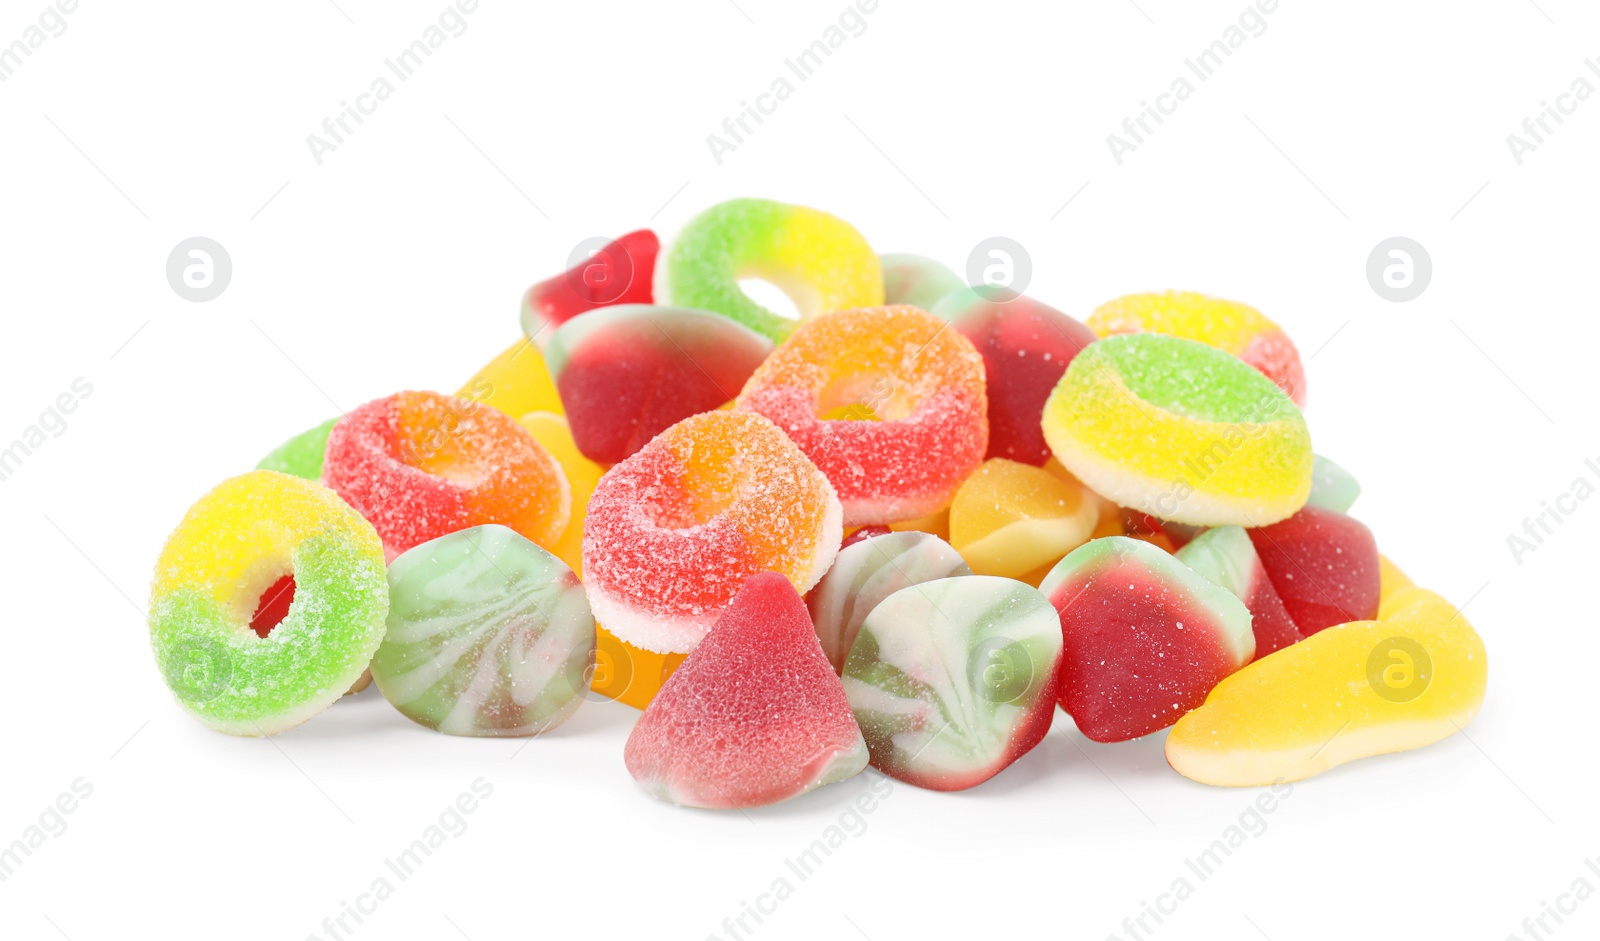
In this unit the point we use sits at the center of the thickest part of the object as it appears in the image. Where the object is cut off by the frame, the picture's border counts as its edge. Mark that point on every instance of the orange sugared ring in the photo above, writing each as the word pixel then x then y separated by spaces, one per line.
pixel 419 465
pixel 673 531
pixel 887 402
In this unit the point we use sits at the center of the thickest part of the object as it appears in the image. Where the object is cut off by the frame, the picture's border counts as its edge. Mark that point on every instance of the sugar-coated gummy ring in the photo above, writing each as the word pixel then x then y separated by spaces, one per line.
pixel 674 531
pixel 231 546
pixel 1227 325
pixel 1181 431
pixel 920 388
pixel 820 261
pixel 419 465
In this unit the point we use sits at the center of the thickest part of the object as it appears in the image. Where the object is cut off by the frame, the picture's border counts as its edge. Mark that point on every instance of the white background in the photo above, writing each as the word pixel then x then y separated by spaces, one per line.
pixel 398 263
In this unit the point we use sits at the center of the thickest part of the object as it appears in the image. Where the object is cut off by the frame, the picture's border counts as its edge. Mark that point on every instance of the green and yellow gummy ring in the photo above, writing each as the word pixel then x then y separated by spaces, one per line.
pixel 227 564
pixel 1181 431
pixel 820 261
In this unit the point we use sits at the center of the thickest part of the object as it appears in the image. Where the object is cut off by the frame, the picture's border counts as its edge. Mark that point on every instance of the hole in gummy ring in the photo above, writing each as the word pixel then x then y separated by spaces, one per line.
pixel 273 606
pixel 770 296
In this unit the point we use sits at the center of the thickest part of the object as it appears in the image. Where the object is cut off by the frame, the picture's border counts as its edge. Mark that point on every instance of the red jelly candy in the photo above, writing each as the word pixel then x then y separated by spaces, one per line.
pixel 754 716
pixel 619 272
pixel 1145 637
pixel 419 465
pixel 630 371
pixel 1026 346
pixel 1324 566
pixel 273 606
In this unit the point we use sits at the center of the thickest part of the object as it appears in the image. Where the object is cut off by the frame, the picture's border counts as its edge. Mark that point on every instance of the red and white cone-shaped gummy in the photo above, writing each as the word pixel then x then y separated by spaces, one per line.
pixel 754 716
pixel 954 679
pixel 1146 637
pixel 1225 556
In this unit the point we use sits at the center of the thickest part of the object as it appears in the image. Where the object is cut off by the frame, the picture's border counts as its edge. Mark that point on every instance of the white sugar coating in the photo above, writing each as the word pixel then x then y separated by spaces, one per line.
pixel 674 531
pixel 925 385
pixel 419 465
pixel 233 544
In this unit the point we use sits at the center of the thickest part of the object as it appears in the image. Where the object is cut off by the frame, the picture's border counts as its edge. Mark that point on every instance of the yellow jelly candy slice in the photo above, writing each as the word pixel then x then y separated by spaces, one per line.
pixel 552 431
pixel 1390 578
pixel 1412 677
pixel 1009 519
pixel 516 382
pixel 1110 522
pixel 937 524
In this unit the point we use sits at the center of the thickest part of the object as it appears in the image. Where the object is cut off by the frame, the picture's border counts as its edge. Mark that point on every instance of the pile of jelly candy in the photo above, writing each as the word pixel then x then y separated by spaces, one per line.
pixel 900 529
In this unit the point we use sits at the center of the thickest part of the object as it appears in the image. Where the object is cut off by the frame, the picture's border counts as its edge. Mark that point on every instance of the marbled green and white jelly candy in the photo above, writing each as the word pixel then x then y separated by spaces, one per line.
pixel 867 570
pixel 301 455
pixel 1332 487
pixel 952 680
pixel 488 635
pixel 918 281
